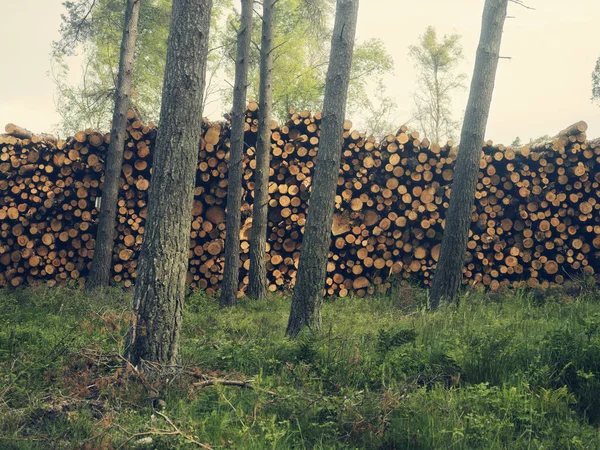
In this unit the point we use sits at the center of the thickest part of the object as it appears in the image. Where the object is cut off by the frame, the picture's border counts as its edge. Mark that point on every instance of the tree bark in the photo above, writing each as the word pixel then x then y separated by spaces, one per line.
pixel 160 287
pixel 257 285
pixel 308 293
pixel 102 263
pixel 437 105
pixel 230 285
pixel 448 274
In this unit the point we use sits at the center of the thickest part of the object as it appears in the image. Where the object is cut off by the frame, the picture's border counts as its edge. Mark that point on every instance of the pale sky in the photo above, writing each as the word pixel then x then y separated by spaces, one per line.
pixel 544 87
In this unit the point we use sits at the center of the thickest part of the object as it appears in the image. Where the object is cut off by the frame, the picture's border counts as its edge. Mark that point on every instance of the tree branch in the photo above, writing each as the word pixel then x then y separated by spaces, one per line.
pixel 78 27
pixel 224 382
pixel 520 3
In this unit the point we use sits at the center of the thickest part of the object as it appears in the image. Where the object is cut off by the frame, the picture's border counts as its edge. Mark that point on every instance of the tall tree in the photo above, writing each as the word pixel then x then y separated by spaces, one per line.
pixel 93 29
pixel 436 63
pixel 449 272
pixel 102 263
pixel 308 293
pixel 596 82
pixel 160 285
pixel 230 285
pixel 257 284
pixel 302 34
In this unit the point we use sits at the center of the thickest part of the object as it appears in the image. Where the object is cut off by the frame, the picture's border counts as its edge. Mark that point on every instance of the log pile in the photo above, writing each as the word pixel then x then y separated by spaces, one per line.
pixel 535 218
pixel 50 191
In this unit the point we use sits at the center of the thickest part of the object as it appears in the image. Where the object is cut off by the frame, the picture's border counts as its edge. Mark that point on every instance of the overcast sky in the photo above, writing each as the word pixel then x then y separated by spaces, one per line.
pixel 542 89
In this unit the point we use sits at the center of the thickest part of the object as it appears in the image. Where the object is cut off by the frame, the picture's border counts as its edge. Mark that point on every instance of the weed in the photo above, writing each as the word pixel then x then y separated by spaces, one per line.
pixel 514 370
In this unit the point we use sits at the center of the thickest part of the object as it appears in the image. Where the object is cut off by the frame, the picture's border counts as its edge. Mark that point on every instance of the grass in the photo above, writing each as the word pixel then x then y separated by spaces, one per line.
pixel 520 370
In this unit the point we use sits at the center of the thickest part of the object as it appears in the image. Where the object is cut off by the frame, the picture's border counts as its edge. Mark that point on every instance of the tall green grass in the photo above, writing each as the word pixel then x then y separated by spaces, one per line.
pixel 520 370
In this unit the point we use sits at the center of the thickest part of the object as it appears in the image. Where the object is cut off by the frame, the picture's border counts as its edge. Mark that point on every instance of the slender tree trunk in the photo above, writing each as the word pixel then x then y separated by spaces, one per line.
pixel 308 293
pixel 257 285
pixel 449 271
pixel 160 287
pixel 230 285
pixel 102 264
pixel 437 105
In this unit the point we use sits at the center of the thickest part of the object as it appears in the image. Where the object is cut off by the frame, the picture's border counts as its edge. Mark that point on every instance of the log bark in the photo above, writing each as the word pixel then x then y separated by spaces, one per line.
pixel 230 285
pixel 448 275
pixel 162 267
pixel 532 209
pixel 17 131
pixel 257 285
pixel 308 293
pixel 102 263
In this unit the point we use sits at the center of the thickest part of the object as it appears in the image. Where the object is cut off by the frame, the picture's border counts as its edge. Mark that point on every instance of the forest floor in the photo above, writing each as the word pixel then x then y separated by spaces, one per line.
pixel 520 370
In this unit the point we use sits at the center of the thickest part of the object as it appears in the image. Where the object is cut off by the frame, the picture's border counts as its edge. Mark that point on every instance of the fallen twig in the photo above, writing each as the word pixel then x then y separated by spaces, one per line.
pixel 154 432
pixel 225 382
pixel 187 438
pixel 215 381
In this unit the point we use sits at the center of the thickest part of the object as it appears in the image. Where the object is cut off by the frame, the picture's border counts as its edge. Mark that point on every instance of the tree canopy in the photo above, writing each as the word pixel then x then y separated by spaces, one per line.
pixel 302 43
pixel 436 62
pixel 92 28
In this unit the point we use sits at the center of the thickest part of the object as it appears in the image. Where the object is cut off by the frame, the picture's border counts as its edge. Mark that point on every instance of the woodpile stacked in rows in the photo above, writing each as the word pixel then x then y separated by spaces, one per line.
pixel 535 217
pixel 49 192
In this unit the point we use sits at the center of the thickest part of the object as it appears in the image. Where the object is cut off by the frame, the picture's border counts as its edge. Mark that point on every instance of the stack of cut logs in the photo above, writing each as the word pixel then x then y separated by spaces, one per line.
pixel 535 219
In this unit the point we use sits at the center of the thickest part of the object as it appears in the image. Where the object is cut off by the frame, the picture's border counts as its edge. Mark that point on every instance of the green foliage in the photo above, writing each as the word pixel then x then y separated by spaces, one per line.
pixel 302 44
pixel 388 339
pixel 95 29
pixel 86 105
pixel 379 113
pixel 517 372
pixel 370 62
pixel 545 137
pixel 436 63
pixel 482 416
pixel 303 32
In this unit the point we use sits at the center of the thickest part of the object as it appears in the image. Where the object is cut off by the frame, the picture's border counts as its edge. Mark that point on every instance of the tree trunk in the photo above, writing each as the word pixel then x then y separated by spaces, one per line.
pixel 102 264
pixel 230 285
pixel 160 287
pixel 257 285
pixel 448 275
pixel 308 293
pixel 437 105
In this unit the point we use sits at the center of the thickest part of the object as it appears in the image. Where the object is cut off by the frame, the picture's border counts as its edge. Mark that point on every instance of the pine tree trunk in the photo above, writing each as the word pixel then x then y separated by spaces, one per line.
pixel 160 287
pixel 449 271
pixel 102 263
pixel 257 285
pixel 230 285
pixel 438 113
pixel 308 293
